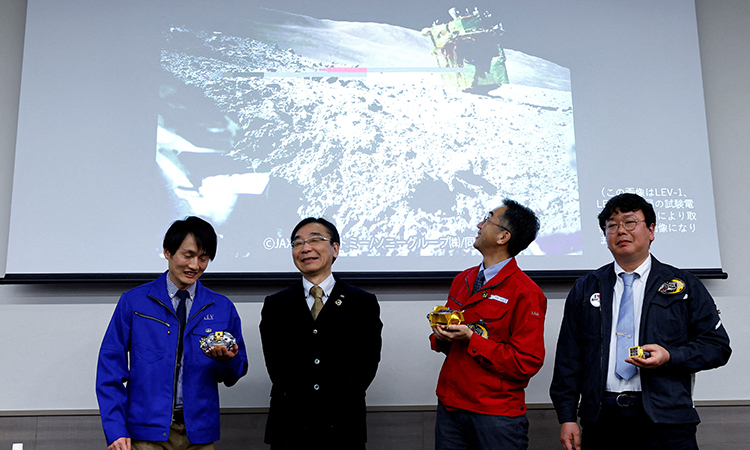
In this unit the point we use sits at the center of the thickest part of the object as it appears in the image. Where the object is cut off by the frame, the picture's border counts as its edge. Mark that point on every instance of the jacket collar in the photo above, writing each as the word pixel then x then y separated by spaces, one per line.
pixel 656 277
pixel 339 292
pixel 607 278
pixel 159 292
pixel 510 268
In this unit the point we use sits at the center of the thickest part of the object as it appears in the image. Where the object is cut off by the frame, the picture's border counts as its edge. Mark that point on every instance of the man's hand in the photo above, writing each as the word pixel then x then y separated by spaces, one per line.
pixel 120 444
pixel 570 436
pixel 221 353
pixel 659 357
pixel 452 333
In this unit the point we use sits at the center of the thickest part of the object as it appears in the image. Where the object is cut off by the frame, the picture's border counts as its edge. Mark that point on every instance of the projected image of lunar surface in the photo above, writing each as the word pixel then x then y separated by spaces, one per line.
pixel 403 138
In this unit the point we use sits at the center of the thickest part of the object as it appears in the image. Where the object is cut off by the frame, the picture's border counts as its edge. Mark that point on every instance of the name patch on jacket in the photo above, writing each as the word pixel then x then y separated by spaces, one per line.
pixel 673 286
pixel 498 298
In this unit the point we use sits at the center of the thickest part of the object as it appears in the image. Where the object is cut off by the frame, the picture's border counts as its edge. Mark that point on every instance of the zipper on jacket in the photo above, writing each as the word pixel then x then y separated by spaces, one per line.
pixel 182 332
pixel 176 369
pixel 152 318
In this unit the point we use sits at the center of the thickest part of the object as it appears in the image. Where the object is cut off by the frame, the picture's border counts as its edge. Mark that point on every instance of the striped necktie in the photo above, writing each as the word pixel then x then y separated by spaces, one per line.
pixel 479 282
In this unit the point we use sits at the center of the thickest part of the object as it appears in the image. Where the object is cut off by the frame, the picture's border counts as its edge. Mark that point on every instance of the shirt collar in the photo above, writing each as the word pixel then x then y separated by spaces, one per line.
pixel 491 272
pixel 172 288
pixel 641 270
pixel 326 285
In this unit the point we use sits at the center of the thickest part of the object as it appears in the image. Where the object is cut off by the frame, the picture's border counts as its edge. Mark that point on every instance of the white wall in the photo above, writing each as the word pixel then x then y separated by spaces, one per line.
pixel 49 334
pixel 724 34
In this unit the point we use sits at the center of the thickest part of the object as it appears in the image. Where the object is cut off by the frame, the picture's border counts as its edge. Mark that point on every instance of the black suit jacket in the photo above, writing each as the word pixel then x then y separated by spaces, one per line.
pixel 320 369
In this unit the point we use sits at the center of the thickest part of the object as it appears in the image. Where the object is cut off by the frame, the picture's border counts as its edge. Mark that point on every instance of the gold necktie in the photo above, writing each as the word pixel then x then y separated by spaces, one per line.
pixel 317 293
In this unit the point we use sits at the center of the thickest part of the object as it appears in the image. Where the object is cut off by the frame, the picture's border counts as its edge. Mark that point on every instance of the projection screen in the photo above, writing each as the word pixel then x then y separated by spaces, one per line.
pixel 402 122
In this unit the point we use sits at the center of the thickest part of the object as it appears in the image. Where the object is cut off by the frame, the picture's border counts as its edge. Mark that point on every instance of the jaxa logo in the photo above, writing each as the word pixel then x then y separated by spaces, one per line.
pixel 674 286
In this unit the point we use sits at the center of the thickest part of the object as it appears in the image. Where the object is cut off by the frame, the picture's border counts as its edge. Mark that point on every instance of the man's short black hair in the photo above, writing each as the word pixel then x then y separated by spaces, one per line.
pixel 522 224
pixel 627 203
pixel 202 231
pixel 328 225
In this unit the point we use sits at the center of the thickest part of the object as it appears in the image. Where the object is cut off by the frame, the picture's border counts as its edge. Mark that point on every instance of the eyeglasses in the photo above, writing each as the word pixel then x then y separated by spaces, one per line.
pixel 314 240
pixel 628 225
pixel 486 219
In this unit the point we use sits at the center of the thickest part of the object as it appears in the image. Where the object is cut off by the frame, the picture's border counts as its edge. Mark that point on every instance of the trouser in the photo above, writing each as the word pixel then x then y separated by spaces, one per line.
pixel 466 430
pixel 177 440
pixel 623 424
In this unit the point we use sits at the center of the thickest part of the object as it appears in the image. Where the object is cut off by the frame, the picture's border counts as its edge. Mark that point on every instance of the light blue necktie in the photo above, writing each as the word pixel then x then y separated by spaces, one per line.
pixel 625 329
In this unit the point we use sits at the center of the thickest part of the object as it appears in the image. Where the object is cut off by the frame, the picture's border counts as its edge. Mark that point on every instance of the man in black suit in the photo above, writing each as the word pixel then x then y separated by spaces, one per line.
pixel 321 342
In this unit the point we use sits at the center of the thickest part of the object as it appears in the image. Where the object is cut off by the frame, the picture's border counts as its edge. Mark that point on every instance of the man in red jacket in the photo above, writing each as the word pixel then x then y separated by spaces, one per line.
pixel 500 345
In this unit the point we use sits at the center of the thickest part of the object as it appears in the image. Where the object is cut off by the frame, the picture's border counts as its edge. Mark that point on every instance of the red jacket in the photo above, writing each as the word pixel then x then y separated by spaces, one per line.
pixel 488 375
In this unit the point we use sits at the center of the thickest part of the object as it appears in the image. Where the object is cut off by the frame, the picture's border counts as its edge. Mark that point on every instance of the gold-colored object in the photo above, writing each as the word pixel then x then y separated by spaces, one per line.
pixel 639 352
pixel 443 316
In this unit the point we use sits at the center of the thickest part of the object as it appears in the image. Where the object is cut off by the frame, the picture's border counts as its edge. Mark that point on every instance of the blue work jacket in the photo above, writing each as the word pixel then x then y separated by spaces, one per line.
pixel 135 379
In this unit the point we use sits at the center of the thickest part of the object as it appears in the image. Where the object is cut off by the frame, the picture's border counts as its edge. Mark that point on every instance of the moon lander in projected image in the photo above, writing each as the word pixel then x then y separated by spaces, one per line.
pixel 466 42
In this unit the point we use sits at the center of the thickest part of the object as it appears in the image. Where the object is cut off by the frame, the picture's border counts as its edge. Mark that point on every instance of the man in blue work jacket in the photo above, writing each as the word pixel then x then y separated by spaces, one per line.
pixel 156 387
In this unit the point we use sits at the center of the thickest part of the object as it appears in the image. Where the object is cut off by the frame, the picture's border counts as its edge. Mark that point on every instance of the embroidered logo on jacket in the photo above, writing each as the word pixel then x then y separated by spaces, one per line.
pixel 673 286
pixel 480 328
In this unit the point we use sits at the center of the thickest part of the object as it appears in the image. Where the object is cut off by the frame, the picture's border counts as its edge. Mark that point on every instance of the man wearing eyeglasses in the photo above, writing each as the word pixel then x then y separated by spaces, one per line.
pixel 321 341
pixel 491 357
pixel 645 400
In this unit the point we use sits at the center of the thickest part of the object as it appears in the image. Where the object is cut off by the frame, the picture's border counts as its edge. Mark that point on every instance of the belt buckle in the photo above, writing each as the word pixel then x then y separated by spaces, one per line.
pixel 626 400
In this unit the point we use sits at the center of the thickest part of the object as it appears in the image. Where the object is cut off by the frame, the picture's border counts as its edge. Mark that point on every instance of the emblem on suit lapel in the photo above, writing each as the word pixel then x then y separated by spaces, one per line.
pixel 338 301
pixel 595 300
pixel 673 286
pixel 208 330
pixel 485 294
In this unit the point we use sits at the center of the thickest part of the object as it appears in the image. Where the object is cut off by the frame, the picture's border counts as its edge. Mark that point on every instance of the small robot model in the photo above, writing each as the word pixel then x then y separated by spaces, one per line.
pixel 223 338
